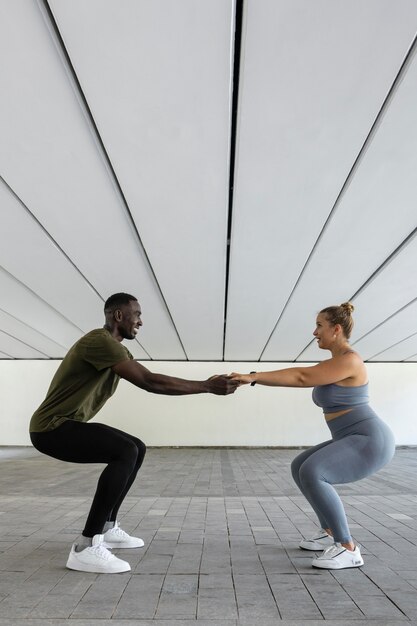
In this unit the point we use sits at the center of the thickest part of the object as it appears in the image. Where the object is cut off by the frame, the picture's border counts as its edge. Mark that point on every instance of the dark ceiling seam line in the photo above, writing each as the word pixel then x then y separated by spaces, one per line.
pixel 237 49
pixel 94 129
pixel 41 299
pixel 48 234
pixel 397 343
pixel 386 320
pixel 24 343
pixel 371 278
pixel 375 328
pixel 33 329
pixel 374 127
pixel 62 251
pixel 387 261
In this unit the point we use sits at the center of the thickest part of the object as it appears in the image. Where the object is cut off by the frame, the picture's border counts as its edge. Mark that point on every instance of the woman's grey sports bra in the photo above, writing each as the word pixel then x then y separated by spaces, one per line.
pixel 333 397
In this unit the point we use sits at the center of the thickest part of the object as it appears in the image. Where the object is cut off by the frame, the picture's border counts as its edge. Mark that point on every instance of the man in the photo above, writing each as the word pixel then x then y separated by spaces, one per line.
pixel 85 380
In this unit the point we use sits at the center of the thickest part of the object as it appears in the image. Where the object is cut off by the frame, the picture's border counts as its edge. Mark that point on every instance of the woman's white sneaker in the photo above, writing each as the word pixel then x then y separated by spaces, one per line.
pixel 320 541
pixel 338 557
pixel 96 559
pixel 117 538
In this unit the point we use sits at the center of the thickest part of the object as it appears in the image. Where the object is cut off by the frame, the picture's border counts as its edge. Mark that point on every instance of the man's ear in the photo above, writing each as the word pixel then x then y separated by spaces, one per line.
pixel 118 315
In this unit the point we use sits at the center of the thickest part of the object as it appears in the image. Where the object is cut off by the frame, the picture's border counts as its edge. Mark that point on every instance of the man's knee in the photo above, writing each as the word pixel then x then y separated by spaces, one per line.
pixel 141 450
pixel 130 454
pixel 140 447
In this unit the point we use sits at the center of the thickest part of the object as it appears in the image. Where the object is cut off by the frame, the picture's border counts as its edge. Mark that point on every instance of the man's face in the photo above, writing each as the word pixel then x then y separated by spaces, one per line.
pixel 130 321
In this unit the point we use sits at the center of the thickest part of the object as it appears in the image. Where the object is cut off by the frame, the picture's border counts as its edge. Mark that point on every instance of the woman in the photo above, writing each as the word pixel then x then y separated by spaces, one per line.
pixel 361 443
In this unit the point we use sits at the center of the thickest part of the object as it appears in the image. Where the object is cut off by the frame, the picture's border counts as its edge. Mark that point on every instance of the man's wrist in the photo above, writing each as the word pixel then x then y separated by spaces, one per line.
pixel 253 383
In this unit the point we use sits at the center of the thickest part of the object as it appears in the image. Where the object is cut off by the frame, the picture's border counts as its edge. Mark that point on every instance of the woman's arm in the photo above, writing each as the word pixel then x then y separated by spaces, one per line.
pixel 332 370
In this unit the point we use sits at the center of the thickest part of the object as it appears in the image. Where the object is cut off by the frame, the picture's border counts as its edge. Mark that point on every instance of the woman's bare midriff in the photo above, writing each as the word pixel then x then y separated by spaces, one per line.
pixel 331 416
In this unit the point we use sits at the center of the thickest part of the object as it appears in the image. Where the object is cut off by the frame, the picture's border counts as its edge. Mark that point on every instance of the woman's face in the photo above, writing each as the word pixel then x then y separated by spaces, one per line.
pixel 324 332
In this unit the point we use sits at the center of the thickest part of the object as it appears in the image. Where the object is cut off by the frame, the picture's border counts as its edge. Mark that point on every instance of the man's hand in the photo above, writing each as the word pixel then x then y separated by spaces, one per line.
pixel 222 385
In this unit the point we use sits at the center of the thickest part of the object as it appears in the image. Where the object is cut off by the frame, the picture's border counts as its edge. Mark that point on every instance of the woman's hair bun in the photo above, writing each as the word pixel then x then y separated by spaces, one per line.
pixel 348 306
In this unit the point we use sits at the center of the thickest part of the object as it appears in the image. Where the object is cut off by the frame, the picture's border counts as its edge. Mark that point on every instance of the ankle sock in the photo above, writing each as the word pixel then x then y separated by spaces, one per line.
pixel 82 543
pixel 108 526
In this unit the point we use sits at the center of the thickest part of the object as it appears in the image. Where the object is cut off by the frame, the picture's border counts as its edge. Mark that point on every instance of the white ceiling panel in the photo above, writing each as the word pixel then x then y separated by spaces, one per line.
pixel 374 216
pixel 405 350
pixel 253 157
pixel 157 76
pixel 307 101
pixel 28 335
pixel 23 304
pixel 17 348
pixel 392 331
pixel 28 253
pixel 411 359
pixel 51 159
pixel 390 290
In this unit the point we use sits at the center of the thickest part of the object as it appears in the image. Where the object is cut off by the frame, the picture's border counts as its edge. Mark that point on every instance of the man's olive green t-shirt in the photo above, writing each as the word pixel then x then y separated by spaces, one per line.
pixel 83 382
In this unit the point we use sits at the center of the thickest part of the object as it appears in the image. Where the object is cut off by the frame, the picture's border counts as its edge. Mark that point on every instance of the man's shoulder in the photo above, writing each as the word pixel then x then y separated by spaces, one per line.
pixel 98 339
pixel 99 344
pixel 97 334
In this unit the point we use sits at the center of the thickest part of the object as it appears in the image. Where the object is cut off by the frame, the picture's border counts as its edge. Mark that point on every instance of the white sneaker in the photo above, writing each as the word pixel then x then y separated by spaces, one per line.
pixel 320 541
pixel 338 557
pixel 117 538
pixel 96 559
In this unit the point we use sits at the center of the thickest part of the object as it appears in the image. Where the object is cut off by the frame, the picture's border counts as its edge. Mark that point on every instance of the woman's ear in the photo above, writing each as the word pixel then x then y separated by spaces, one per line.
pixel 337 329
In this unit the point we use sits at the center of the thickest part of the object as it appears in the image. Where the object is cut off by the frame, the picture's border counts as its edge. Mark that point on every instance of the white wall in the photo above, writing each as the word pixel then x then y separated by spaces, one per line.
pixel 253 416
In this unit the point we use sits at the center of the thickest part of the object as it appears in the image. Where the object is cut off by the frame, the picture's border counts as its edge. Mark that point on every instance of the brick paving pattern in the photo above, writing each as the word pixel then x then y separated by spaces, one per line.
pixel 221 529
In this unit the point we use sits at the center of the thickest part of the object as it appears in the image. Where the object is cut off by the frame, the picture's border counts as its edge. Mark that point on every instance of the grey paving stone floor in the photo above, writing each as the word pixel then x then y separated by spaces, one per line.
pixel 221 530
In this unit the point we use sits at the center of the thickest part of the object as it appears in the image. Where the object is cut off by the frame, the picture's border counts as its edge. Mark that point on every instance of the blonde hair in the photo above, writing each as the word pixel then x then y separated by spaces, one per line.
pixel 340 315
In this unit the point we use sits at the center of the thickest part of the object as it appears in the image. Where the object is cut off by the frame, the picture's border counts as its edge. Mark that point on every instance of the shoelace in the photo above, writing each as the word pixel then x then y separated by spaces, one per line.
pixel 102 550
pixel 333 550
pixel 119 532
pixel 320 536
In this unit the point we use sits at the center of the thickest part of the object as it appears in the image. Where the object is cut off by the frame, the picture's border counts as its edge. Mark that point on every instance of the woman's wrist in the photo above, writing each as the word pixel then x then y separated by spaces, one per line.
pixel 254 381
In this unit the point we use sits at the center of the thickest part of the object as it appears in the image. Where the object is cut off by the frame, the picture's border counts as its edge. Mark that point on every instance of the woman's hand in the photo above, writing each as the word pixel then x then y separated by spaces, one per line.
pixel 243 379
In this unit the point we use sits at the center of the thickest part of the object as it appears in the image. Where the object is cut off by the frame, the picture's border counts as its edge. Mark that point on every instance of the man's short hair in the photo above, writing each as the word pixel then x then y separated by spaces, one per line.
pixel 117 300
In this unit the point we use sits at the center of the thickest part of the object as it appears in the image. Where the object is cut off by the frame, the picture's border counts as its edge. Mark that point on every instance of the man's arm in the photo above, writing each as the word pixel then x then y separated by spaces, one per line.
pixel 138 375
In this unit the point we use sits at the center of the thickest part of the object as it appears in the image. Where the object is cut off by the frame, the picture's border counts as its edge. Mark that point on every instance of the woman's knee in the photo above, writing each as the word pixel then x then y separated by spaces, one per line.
pixel 310 474
pixel 295 469
pixel 296 465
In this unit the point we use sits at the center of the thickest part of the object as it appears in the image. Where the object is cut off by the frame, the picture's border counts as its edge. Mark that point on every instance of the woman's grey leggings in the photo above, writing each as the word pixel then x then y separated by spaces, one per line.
pixel 361 444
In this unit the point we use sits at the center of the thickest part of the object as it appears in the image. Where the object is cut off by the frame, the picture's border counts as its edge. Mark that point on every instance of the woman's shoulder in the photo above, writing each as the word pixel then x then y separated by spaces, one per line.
pixel 359 371
pixel 352 355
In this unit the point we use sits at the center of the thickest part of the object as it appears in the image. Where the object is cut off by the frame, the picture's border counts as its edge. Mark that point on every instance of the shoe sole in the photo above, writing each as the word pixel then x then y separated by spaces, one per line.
pixel 345 567
pixel 90 570
pixel 319 549
pixel 124 545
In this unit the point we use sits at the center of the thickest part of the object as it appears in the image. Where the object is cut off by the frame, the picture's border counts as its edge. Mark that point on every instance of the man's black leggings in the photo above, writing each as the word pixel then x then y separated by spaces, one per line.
pixel 81 442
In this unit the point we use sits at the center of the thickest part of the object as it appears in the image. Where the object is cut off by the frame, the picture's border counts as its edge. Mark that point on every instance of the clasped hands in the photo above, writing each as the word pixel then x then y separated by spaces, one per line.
pixel 225 384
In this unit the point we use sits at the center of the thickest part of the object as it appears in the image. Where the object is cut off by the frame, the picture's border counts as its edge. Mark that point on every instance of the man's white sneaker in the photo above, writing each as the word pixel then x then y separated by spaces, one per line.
pixel 117 538
pixel 96 559
pixel 320 541
pixel 338 557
